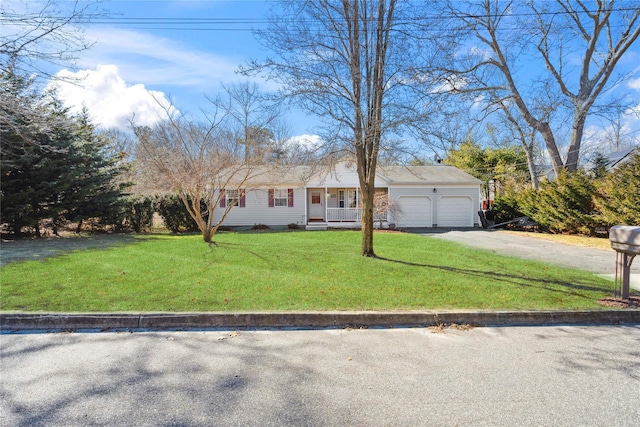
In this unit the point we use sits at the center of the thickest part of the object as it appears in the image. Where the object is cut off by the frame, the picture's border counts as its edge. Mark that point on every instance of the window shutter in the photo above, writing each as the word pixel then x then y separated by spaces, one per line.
pixel 242 199
pixel 271 195
pixel 223 199
pixel 290 195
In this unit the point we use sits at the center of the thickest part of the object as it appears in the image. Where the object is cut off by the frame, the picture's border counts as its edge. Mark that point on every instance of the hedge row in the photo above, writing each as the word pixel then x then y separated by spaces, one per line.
pixel 579 203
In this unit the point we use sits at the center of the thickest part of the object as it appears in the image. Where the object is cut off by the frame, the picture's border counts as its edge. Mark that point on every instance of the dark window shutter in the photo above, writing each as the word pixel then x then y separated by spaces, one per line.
pixel 271 195
pixel 290 195
pixel 242 199
pixel 223 199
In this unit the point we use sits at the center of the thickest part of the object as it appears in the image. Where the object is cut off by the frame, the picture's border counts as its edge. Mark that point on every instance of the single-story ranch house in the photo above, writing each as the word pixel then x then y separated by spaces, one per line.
pixel 428 196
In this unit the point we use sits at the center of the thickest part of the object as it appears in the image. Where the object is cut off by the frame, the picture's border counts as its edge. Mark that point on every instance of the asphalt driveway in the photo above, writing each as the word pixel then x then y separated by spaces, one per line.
pixel 597 261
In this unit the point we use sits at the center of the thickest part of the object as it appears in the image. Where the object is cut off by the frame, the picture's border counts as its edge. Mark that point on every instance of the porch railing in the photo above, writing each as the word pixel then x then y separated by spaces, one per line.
pixel 344 214
pixel 350 215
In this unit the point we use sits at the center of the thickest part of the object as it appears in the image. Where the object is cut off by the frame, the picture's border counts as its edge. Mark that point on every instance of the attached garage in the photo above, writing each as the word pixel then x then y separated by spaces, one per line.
pixel 416 211
pixel 455 211
pixel 432 196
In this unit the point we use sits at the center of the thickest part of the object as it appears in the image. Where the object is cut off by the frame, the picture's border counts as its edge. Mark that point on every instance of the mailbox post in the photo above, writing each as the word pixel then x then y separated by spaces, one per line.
pixel 625 240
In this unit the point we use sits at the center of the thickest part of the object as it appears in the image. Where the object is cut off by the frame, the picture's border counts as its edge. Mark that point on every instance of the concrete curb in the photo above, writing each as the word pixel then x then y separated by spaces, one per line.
pixel 16 322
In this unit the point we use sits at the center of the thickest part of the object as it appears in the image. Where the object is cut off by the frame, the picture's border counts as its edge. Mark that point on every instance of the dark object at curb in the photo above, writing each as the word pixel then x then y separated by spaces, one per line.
pixel 15 322
pixel 488 223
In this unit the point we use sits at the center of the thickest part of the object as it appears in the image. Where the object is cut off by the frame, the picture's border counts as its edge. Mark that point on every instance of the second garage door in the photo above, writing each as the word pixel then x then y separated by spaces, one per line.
pixel 454 211
pixel 416 211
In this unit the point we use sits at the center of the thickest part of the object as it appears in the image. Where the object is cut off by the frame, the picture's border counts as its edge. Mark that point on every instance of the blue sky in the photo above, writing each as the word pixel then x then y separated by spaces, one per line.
pixel 180 50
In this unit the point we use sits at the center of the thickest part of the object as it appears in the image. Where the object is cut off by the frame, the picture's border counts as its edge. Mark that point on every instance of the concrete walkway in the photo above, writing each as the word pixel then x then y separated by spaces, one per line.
pixel 597 261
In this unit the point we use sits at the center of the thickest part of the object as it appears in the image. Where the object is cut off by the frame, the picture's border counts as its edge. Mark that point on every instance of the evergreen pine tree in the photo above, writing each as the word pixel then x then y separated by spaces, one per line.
pixel 56 167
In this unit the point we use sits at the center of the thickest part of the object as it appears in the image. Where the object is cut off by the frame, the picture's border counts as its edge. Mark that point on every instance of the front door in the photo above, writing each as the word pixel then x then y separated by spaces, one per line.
pixel 316 205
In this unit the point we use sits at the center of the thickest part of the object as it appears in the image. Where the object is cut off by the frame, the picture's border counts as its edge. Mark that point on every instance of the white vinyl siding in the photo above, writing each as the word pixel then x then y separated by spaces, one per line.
pixel 257 211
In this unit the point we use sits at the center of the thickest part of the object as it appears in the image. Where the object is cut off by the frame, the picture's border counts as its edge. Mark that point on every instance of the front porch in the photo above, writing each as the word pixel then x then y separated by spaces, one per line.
pixel 314 225
pixel 321 225
pixel 336 208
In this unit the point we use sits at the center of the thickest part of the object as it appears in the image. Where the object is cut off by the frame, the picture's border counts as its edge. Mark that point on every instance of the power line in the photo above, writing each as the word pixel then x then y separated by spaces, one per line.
pixel 198 23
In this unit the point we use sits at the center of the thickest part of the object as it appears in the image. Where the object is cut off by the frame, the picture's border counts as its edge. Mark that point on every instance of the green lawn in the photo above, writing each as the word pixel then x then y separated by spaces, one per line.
pixel 291 271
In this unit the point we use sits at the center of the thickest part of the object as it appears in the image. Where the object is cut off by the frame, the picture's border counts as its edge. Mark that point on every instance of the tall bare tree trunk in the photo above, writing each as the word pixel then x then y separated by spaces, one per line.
pixel 207 235
pixel 550 142
pixel 367 222
pixel 535 183
pixel 577 130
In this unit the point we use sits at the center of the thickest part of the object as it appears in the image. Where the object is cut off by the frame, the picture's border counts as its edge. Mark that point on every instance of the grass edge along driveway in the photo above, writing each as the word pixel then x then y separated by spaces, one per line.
pixel 280 271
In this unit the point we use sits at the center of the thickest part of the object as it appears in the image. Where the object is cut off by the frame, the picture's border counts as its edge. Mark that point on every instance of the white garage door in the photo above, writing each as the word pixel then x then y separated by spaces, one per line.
pixel 416 211
pixel 455 212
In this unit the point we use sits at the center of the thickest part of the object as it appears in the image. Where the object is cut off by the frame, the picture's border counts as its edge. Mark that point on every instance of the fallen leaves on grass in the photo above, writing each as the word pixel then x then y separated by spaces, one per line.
pixel 632 302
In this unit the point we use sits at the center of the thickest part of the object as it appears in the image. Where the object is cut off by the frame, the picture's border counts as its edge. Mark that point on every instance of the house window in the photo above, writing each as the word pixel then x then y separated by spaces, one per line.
pixel 233 197
pixel 354 199
pixel 341 199
pixel 315 197
pixel 280 197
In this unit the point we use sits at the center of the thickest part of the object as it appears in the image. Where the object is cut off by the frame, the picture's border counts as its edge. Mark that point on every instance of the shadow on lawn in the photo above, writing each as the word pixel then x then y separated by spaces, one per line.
pixel 508 278
pixel 238 247
pixel 39 249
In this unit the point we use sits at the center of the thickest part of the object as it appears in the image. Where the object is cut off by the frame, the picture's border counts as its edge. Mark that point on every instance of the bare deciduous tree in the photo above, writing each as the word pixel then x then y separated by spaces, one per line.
pixel 253 119
pixel 356 64
pixel 526 135
pixel 199 162
pixel 385 208
pixel 52 33
pixel 553 34
pixel 619 136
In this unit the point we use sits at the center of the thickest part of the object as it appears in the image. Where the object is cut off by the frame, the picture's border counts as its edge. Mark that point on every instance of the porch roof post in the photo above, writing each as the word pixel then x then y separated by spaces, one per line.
pixel 326 204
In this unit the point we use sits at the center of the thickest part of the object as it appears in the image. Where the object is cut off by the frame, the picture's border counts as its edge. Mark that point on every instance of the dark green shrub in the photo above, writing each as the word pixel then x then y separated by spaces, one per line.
pixel 618 196
pixel 130 213
pixel 261 227
pixel 139 213
pixel 564 205
pixel 505 208
pixel 175 215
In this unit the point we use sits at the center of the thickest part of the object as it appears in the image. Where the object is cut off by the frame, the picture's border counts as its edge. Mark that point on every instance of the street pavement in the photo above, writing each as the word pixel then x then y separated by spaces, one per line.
pixel 597 261
pixel 506 376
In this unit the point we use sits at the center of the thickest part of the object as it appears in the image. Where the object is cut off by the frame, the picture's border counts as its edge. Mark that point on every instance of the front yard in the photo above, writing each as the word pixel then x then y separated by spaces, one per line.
pixel 290 271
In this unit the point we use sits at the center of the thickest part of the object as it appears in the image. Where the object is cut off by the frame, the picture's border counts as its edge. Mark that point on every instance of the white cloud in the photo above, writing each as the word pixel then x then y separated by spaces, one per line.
pixel 159 60
pixel 632 115
pixel 479 102
pixel 109 100
pixel 309 142
pixel 451 84
pixel 634 83
pixel 481 53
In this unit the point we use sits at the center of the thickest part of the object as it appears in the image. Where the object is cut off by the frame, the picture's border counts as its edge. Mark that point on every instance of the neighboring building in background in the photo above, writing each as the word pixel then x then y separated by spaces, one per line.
pixel 610 161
